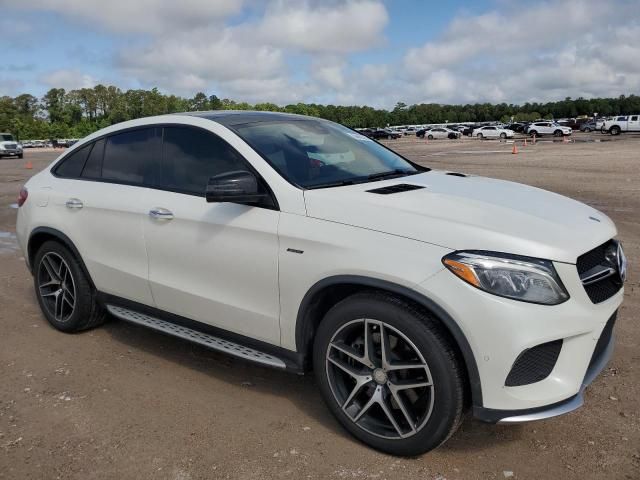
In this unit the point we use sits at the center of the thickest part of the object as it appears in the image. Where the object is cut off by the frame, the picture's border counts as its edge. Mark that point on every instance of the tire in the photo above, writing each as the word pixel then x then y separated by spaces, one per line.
pixel 587 130
pixel 615 130
pixel 603 130
pixel 429 414
pixel 557 133
pixel 21 155
pixel 503 136
pixel 480 136
pixel 430 137
pixel 77 310
pixel 533 133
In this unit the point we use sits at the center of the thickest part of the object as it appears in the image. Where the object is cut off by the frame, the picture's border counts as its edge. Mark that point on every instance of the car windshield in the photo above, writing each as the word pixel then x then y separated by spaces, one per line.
pixel 5 137
pixel 315 153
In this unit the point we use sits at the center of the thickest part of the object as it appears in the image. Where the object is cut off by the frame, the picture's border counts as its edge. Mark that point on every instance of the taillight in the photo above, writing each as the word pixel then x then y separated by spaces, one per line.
pixel 22 196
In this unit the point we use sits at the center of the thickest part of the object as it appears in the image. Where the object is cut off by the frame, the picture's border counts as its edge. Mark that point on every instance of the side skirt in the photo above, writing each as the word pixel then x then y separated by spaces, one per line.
pixel 211 337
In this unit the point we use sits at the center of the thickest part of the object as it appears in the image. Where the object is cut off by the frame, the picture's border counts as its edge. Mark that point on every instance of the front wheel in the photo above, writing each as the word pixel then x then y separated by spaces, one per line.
pixel 389 374
pixel 503 136
pixel 480 136
pixel 557 133
pixel 430 137
pixel 64 293
pixel 614 130
pixel 533 133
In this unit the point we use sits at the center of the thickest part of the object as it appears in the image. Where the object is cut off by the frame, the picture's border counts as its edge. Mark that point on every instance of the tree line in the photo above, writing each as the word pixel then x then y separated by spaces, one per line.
pixel 76 113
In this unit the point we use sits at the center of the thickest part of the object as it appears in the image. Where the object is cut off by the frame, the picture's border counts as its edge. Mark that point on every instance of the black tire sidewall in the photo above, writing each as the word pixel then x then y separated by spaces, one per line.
pixel 84 295
pixel 448 390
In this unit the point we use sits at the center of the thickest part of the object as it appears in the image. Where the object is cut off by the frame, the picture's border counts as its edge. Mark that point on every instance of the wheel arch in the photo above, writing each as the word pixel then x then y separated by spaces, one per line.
pixel 40 235
pixel 327 292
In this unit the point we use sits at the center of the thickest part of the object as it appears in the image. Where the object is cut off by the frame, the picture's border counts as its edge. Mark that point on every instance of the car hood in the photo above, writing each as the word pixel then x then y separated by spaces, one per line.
pixel 469 213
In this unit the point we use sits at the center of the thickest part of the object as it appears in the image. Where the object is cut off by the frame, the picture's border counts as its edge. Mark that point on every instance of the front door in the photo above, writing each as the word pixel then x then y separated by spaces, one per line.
pixel 216 263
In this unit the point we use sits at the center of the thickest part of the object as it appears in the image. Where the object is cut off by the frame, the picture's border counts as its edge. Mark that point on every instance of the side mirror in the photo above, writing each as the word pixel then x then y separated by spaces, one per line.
pixel 239 186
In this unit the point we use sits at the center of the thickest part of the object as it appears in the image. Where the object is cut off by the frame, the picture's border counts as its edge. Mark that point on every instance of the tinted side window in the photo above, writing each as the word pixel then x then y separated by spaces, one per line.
pixel 71 167
pixel 191 156
pixel 93 167
pixel 129 156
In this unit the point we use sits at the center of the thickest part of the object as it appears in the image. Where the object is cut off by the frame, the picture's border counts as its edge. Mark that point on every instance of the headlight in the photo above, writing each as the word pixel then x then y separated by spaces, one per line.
pixel 511 276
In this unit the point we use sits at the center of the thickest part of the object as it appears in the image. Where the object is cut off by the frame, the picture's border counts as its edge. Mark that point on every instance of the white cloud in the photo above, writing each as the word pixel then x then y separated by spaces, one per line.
pixel 334 27
pixel 137 16
pixel 546 51
pixel 68 79
pixel 286 51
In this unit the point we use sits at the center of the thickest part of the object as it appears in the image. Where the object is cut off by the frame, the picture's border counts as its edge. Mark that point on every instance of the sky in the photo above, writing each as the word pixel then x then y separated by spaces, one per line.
pixel 345 52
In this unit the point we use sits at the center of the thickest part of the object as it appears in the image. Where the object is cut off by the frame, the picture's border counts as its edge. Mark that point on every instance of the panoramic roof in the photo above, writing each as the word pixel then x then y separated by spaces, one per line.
pixel 238 117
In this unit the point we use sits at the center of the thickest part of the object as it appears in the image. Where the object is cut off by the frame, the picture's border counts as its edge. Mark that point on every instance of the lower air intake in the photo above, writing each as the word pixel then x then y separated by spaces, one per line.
pixel 534 364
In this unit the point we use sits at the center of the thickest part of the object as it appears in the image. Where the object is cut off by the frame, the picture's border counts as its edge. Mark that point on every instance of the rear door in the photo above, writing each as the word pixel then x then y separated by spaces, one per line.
pixel 634 123
pixel 216 263
pixel 100 204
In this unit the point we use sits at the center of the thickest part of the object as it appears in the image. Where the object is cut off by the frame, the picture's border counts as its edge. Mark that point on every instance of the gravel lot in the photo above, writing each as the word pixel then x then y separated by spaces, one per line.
pixel 124 402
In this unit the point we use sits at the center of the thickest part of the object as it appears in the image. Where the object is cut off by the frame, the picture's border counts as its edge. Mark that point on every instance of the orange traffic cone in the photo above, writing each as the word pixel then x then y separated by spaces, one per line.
pixel 515 149
pixel 525 141
pixel 534 140
pixel 565 139
pixel 29 165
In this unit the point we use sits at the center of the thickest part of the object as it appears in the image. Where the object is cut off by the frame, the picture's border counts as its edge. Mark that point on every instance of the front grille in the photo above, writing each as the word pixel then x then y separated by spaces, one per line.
pixel 534 364
pixel 604 339
pixel 10 146
pixel 607 287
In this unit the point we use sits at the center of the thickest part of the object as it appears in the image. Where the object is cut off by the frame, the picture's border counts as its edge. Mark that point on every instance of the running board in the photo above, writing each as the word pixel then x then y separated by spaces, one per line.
pixel 195 336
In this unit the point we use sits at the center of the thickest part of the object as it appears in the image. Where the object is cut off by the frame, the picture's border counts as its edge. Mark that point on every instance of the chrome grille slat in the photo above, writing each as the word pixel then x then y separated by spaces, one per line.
pixel 196 336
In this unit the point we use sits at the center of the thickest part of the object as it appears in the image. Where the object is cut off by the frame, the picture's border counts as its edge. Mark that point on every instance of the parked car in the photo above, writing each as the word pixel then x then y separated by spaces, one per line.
pixel 409 131
pixel 468 130
pixel 516 127
pixel 382 133
pixel 38 144
pixel 297 243
pixel 441 132
pixel 493 132
pixel 622 124
pixel 589 126
pixel 9 146
pixel 538 129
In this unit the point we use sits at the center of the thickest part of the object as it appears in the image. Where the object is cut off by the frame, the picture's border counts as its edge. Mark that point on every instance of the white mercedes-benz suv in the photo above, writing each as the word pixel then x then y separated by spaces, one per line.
pixel 414 295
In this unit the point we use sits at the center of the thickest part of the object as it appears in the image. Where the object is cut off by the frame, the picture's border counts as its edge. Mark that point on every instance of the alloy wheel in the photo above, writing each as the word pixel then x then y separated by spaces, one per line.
pixel 379 379
pixel 56 287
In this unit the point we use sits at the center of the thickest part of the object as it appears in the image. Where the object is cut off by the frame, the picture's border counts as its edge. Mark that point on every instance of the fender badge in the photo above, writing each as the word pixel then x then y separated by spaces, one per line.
pixel 594 219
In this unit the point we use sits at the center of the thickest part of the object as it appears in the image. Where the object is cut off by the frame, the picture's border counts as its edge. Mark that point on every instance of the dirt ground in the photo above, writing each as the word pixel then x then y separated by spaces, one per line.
pixel 124 402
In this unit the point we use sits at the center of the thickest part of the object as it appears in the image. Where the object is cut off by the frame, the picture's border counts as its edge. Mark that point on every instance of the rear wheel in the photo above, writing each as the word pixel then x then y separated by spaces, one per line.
pixel 64 293
pixel 389 374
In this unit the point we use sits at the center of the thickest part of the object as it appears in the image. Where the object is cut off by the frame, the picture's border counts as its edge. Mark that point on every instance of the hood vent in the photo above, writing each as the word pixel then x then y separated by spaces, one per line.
pixel 456 174
pixel 401 187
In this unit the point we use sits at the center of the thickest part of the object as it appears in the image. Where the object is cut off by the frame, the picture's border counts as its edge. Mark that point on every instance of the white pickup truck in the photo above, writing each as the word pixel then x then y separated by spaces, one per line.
pixel 623 123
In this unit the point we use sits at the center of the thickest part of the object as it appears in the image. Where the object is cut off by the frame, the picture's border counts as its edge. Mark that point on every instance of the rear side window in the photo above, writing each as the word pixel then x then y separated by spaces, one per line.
pixel 71 166
pixel 93 167
pixel 191 156
pixel 129 157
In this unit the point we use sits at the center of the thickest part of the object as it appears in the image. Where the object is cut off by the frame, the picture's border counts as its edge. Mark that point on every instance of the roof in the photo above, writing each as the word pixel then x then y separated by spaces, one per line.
pixel 238 117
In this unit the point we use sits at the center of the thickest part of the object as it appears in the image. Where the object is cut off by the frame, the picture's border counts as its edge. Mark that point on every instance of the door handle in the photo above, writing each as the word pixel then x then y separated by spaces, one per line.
pixel 74 203
pixel 160 213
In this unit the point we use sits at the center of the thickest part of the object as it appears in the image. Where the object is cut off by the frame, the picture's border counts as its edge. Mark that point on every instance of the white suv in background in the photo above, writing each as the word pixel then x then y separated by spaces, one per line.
pixel 9 146
pixel 297 243
pixel 538 129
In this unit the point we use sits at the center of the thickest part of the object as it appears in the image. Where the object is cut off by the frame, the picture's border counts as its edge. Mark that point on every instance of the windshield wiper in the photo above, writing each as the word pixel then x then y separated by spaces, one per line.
pixel 330 184
pixel 392 174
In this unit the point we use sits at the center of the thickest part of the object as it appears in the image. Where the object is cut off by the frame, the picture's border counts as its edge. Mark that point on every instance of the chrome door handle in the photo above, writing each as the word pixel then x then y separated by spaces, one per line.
pixel 74 203
pixel 160 213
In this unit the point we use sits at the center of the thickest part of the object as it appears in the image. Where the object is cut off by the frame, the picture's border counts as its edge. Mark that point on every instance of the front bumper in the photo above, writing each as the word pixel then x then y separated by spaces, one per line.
pixel 498 330
pixel 598 363
pixel 7 153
